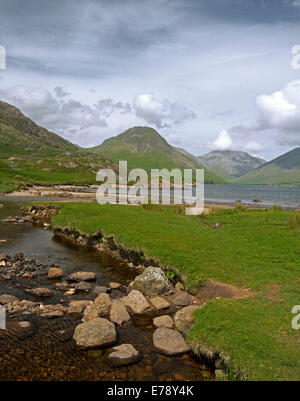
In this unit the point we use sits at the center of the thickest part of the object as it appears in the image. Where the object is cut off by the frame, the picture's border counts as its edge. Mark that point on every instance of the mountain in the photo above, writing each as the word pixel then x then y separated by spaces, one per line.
pixel 284 170
pixel 144 147
pixel 230 164
pixel 30 154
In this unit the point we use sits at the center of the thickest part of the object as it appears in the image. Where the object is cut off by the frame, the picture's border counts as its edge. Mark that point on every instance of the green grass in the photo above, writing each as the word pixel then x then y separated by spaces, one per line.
pixel 253 249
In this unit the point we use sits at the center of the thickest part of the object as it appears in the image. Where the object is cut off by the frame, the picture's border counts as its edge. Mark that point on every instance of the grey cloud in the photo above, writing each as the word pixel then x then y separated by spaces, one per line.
pixel 60 92
pixel 67 117
pixel 160 113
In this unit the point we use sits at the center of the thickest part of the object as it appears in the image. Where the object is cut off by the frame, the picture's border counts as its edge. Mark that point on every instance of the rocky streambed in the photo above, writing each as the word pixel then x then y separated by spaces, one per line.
pixel 77 314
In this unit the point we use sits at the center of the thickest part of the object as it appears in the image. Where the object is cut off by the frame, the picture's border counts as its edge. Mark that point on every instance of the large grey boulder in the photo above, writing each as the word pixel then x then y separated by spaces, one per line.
pixel 169 342
pixel 95 333
pixel 184 318
pixel 123 355
pixel 152 282
pixel 136 302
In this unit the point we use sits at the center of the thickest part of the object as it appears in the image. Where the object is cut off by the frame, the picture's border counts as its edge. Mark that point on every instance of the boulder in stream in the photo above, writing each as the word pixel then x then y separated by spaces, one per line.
pixel 55 273
pixel 184 318
pixel 118 313
pixel 123 354
pixel 82 276
pixel 152 282
pixel 169 342
pixel 136 302
pixel 98 332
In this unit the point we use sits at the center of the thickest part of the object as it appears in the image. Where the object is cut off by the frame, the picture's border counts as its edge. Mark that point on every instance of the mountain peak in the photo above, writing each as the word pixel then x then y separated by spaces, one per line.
pixel 230 164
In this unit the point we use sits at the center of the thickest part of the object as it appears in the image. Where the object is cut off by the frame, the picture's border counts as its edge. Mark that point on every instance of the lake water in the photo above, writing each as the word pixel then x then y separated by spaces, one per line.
pixel 282 196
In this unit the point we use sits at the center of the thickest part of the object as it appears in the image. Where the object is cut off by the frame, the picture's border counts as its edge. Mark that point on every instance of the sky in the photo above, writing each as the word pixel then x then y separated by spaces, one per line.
pixel 206 74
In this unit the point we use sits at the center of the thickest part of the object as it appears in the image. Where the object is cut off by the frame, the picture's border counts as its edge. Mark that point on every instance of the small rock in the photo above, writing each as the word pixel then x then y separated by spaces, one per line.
pixel 114 286
pixel 71 291
pixel 124 354
pixel 100 307
pixel 7 299
pixel 184 318
pixel 62 286
pixel 182 299
pixel 118 313
pixel 95 333
pixel 52 314
pixel 159 303
pixel 82 276
pixel 77 307
pixel 24 324
pixel 40 292
pixel 179 287
pixel 100 290
pixel 137 302
pixel 91 312
pixel 169 342
pixel 55 273
pixel 164 321
pixel 82 286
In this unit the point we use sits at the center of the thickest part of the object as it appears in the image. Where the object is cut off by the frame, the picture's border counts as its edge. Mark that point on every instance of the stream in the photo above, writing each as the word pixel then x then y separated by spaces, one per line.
pixel 47 351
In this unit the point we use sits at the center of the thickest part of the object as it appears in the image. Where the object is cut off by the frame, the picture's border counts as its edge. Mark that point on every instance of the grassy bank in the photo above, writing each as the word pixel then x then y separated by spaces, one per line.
pixel 253 249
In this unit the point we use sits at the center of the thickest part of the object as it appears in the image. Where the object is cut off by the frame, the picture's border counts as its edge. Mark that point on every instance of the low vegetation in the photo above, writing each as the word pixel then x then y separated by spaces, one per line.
pixel 253 249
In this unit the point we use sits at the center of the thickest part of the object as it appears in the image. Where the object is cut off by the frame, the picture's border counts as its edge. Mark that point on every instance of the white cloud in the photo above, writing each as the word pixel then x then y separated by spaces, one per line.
pixel 223 141
pixel 252 146
pixel 160 113
pixel 278 121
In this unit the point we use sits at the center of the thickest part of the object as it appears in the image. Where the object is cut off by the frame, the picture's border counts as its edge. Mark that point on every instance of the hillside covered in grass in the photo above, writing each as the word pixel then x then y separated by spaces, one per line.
pixel 144 147
pixel 30 154
pixel 284 170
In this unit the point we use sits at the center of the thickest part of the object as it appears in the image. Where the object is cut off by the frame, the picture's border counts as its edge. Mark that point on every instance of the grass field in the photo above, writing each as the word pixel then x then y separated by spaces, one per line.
pixel 253 249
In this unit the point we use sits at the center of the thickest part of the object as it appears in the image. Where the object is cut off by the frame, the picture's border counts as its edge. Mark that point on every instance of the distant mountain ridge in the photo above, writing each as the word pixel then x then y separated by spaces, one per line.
pixel 230 164
pixel 144 147
pixel 284 170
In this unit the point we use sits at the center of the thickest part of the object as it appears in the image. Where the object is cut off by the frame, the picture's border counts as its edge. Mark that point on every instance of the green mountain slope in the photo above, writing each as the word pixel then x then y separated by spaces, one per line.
pixel 29 154
pixel 284 170
pixel 144 147
pixel 230 164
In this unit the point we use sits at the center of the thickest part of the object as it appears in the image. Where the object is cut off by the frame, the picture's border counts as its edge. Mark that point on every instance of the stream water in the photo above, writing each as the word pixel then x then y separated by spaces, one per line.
pixel 47 351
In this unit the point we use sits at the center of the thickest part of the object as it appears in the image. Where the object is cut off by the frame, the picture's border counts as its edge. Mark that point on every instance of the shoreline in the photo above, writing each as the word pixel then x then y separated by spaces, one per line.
pixel 71 194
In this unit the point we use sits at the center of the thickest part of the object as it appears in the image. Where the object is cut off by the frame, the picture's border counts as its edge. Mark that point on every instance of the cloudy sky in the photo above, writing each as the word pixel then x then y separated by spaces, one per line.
pixel 206 74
